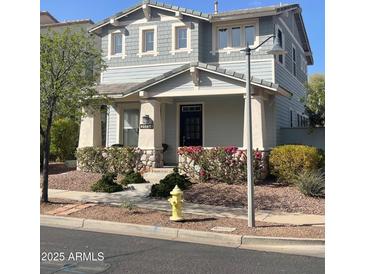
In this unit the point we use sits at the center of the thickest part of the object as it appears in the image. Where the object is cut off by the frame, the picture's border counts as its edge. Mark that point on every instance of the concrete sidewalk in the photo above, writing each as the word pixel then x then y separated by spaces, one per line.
pixel 138 196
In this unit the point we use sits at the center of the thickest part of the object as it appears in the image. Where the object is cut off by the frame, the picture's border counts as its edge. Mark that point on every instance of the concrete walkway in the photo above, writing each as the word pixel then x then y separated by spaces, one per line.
pixel 138 196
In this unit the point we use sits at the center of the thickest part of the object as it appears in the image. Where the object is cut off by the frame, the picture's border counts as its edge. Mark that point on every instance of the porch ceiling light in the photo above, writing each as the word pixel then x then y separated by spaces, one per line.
pixel 146 119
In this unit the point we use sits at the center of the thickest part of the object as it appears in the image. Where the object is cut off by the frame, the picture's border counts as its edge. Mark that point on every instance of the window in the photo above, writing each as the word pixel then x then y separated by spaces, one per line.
pixel 117 43
pixel 148 36
pixel 298 121
pixel 291 118
pixel 130 127
pixel 249 35
pixel 182 38
pixel 303 64
pixel 236 37
pixel 222 38
pixel 294 59
pixel 281 44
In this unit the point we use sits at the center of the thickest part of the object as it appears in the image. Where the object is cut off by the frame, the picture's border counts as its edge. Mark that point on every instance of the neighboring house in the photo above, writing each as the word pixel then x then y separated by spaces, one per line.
pixel 48 22
pixel 176 77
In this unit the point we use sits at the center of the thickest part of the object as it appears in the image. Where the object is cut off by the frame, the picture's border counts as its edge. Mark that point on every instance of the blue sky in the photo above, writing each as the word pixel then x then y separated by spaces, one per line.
pixel 313 13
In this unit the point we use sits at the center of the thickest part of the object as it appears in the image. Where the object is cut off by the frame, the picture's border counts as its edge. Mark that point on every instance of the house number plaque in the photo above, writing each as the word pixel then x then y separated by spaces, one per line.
pixel 146 126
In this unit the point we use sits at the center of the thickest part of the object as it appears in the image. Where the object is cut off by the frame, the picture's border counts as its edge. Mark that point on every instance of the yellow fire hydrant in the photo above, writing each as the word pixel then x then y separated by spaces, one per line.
pixel 176 204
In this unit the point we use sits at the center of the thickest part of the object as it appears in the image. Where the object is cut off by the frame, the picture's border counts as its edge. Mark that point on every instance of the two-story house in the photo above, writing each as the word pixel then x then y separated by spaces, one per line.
pixel 177 77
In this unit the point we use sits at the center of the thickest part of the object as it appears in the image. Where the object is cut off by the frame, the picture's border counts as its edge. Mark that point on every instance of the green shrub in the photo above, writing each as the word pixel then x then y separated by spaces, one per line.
pixel 290 160
pixel 311 183
pixel 133 178
pixel 64 139
pixel 120 160
pixel 168 183
pixel 107 184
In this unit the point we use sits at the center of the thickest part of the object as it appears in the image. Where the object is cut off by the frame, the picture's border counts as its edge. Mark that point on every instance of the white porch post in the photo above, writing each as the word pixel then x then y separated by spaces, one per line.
pixel 150 140
pixel 90 129
pixel 263 123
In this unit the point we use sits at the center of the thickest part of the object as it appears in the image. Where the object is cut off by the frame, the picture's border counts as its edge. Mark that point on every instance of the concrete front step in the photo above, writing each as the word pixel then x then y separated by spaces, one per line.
pixel 156 174
pixel 161 170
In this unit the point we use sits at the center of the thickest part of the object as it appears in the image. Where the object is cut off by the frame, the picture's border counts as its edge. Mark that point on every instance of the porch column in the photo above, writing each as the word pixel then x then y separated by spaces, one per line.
pixel 90 128
pixel 263 122
pixel 150 140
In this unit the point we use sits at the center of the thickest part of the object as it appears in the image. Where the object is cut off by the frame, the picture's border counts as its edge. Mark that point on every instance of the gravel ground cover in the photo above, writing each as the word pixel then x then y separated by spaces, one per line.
pixel 194 222
pixel 268 195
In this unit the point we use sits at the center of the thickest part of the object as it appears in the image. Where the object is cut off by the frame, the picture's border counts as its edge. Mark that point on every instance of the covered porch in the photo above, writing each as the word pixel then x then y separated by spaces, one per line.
pixel 197 105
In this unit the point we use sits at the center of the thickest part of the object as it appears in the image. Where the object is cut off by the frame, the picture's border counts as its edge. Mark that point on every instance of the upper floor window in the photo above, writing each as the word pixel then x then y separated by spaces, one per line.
pixel 294 60
pixel 281 44
pixel 182 37
pixel 116 40
pixel 117 43
pixel 303 64
pixel 148 40
pixel 236 37
pixel 250 35
pixel 222 38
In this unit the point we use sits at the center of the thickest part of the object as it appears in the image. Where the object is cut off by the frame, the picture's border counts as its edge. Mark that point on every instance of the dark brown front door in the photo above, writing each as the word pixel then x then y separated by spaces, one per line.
pixel 191 125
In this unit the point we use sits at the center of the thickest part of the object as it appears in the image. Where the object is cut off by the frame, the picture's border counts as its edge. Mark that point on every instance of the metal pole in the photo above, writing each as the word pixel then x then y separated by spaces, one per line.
pixel 250 181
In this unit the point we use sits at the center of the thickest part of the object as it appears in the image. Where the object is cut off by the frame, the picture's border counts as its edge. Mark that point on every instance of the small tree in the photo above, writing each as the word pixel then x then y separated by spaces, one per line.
pixel 64 139
pixel 70 66
pixel 315 101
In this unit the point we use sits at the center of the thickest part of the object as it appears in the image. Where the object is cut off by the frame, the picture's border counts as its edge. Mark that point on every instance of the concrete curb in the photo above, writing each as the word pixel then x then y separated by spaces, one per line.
pixel 261 240
pixel 166 233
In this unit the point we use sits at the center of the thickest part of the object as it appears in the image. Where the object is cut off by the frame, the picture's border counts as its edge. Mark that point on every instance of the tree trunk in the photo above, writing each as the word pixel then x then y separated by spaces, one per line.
pixel 46 149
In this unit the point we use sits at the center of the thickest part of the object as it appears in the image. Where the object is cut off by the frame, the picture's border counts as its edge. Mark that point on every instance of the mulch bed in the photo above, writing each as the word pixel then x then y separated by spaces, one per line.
pixel 268 196
pixel 194 222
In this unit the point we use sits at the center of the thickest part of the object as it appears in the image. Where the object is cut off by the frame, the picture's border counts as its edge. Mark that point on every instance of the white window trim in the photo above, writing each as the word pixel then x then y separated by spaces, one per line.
pixel 229 27
pixel 174 48
pixel 110 44
pixel 141 41
pixel 283 40
pixel 294 62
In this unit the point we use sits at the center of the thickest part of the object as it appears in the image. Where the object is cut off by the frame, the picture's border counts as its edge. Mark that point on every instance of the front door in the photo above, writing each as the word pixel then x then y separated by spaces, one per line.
pixel 191 125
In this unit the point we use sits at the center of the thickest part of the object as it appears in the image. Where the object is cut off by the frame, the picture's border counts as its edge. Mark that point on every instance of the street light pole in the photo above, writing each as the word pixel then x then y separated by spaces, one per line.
pixel 276 50
pixel 250 181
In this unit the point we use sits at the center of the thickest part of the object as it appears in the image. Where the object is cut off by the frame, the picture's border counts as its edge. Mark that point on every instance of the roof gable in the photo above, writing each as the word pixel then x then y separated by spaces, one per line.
pixel 151 4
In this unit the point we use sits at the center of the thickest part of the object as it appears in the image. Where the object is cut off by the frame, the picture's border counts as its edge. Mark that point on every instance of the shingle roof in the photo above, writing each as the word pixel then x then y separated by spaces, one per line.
pixel 274 8
pixel 128 88
pixel 68 22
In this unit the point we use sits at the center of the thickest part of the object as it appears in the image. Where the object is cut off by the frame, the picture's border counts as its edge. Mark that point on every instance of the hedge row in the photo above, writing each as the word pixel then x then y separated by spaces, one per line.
pixel 221 164
pixel 120 160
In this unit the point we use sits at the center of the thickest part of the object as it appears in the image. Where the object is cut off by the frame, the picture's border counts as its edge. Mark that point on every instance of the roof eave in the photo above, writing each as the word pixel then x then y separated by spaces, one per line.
pixel 139 6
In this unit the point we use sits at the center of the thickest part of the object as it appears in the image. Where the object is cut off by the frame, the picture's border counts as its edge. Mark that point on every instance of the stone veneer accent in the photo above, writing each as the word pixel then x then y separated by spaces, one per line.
pixel 152 158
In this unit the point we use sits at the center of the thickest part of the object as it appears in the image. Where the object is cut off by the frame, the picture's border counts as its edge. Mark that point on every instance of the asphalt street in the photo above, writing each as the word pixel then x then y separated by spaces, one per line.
pixel 73 251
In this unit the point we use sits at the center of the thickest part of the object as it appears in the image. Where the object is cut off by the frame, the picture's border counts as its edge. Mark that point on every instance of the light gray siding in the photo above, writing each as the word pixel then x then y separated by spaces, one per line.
pixel 262 69
pixel 208 81
pixel 164 43
pixel 266 29
pixel 284 76
pixel 135 74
